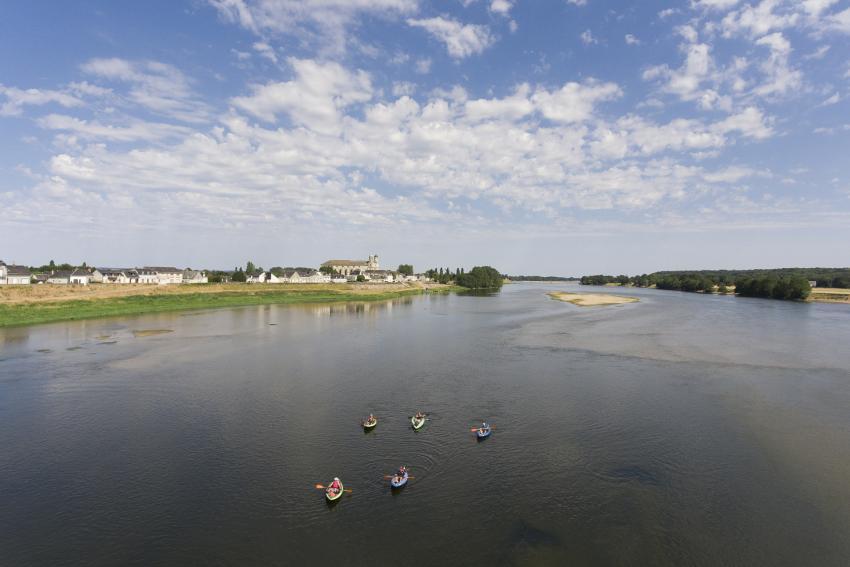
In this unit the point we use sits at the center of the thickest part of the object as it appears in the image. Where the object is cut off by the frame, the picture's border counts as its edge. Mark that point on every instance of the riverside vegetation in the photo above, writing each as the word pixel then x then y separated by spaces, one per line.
pixel 783 283
pixel 29 305
pixel 33 304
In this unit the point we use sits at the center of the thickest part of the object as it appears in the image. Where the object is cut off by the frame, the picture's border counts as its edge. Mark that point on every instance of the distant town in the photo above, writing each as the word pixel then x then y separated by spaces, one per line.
pixel 331 271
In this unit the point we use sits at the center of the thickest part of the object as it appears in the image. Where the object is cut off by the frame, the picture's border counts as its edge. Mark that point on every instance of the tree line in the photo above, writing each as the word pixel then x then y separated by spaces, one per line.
pixel 479 277
pixel 791 283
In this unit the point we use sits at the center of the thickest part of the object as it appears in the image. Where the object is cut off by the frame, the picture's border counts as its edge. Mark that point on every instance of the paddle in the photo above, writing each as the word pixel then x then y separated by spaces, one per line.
pixel 474 429
pixel 389 476
pixel 322 487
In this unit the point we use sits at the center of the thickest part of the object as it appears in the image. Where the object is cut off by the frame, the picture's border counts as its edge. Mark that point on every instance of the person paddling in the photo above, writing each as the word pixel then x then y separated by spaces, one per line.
pixel 335 486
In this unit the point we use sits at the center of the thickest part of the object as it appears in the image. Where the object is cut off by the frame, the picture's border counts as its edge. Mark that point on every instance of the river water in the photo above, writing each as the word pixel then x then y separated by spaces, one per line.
pixel 680 430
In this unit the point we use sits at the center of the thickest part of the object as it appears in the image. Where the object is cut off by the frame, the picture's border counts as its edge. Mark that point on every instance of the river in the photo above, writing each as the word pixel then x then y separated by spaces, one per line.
pixel 680 430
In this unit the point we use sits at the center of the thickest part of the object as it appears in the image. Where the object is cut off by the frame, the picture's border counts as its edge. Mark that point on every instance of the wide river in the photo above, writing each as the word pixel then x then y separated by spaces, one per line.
pixel 680 430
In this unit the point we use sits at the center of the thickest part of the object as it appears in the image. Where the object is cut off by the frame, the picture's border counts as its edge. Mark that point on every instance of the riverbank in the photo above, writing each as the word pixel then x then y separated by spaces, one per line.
pixel 817 295
pixel 829 295
pixel 591 299
pixel 35 304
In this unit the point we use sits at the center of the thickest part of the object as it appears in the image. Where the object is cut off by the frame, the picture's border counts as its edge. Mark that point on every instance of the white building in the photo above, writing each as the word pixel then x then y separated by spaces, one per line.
pixel 118 276
pixel 303 276
pixel 263 277
pixel 14 275
pixel 194 277
pixel 146 276
pixel 80 276
pixel 164 275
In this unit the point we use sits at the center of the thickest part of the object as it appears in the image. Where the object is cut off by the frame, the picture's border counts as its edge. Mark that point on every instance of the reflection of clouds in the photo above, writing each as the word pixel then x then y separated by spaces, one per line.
pixel 357 309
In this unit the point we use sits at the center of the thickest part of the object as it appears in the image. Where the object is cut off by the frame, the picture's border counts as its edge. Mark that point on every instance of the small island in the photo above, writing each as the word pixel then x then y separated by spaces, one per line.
pixel 591 299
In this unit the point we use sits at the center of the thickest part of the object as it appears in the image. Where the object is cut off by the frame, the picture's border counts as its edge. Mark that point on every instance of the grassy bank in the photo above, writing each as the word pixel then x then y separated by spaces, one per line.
pixel 39 306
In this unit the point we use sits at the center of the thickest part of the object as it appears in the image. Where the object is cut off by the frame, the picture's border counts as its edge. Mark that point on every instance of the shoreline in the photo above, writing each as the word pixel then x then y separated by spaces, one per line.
pixel 42 304
pixel 817 295
pixel 582 299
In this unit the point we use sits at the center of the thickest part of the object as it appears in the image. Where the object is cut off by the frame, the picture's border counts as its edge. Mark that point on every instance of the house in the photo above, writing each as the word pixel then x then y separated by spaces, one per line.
pixel 118 276
pixel 263 277
pixel 80 276
pixel 14 275
pixel 303 275
pixel 146 276
pixel 40 278
pixel 60 277
pixel 813 283
pixel 194 276
pixel 165 274
pixel 346 267
pixel 96 275
pixel 385 276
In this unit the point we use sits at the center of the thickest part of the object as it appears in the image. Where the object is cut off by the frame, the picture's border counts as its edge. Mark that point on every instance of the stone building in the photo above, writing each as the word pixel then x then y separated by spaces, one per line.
pixel 346 267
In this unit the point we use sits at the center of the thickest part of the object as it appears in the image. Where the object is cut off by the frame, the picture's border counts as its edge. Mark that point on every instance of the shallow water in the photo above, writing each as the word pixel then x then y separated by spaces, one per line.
pixel 683 429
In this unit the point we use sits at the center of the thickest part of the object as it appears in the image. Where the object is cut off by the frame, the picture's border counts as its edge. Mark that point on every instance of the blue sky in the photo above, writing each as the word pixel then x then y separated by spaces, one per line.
pixel 558 136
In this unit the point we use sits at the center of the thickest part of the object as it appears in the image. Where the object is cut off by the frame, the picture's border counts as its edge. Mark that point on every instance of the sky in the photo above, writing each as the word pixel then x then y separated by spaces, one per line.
pixel 560 137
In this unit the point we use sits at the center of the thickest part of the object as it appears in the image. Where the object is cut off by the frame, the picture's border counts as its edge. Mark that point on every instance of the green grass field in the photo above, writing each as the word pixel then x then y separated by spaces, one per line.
pixel 12 314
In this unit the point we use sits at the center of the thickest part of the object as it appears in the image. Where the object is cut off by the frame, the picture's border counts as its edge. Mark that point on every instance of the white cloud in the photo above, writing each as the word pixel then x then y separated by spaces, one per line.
pixel 760 19
pixel 819 53
pixel 631 40
pixel 135 131
pixel 814 8
pixel 781 78
pixel 502 7
pixel 423 66
pixel 321 22
pixel 713 4
pixel 577 2
pixel 157 86
pixel 574 102
pixel 265 50
pixel 314 98
pixel 587 38
pixel 839 22
pixel 17 99
pixel 403 88
pixel 461 40
pixel 834 99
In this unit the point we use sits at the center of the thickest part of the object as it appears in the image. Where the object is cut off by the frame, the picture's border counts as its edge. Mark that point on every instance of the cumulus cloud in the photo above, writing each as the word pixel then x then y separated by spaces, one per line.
pixel 461 40
pixel 314 98
pixel 574 102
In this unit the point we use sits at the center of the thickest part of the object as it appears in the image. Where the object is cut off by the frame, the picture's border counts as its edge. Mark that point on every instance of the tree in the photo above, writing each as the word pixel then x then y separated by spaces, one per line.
pixel 238 276
pixel 405 269
pixel 52 264
pixel 250 268
pixel 327 270
pixel 481 277
pixel 361 278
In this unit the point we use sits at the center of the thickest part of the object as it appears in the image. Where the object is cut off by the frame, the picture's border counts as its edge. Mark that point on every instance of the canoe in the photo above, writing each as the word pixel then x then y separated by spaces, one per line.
pixel 483 433
pixel 399 483
pixel 417 423
pixel 333 497
pixel 370 424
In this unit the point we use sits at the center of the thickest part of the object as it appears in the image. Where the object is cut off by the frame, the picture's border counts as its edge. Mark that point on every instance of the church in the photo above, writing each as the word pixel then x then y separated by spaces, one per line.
pixel 346 267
